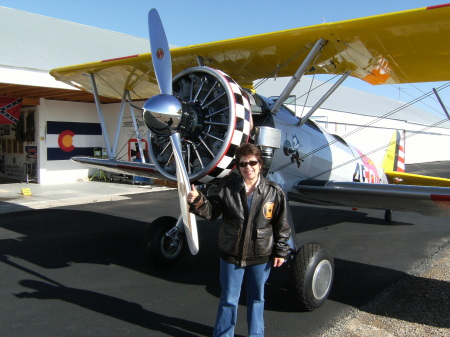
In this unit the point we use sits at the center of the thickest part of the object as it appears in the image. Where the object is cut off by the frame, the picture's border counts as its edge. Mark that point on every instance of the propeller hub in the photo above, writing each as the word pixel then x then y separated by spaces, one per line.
pixel 162 114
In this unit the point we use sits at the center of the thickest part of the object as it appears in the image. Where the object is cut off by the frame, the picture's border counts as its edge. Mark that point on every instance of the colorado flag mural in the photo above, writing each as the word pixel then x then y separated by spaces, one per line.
pixel 69 139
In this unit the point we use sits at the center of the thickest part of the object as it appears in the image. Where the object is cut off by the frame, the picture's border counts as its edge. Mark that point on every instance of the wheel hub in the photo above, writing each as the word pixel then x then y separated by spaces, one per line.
pixel 170 244
pixel 322 279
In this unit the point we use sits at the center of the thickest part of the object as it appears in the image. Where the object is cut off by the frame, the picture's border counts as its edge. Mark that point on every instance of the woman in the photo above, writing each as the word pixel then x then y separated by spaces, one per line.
pixel 253 236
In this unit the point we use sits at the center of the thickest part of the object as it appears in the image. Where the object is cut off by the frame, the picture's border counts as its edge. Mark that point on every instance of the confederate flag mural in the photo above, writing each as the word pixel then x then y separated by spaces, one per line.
pixel 10 110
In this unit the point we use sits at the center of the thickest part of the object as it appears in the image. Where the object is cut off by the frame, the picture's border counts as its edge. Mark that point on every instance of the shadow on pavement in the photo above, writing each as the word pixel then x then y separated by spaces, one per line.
pixel 58 238
pixel 114 307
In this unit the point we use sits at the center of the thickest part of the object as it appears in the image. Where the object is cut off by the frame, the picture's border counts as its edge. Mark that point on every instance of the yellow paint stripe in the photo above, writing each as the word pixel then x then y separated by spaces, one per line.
pixel 400 178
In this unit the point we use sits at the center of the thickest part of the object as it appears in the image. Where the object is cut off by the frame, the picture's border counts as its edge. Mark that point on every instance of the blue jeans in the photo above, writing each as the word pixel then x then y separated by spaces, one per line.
pixel 231 276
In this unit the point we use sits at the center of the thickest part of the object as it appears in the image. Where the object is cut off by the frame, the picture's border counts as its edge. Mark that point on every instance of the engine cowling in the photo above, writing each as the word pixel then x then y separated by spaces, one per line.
pixel 215 121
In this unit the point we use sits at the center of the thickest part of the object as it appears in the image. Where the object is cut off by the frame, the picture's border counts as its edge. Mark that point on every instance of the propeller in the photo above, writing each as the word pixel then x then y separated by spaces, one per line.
pixel 162 115
pixel 159 47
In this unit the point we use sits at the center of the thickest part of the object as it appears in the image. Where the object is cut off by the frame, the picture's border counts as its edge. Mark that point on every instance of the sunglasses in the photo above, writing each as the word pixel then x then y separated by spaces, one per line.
pixel 245 163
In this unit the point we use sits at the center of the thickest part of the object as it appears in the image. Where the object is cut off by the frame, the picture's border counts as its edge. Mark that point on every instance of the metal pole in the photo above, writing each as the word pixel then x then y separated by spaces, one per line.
pixel 100 115
pixel 298 75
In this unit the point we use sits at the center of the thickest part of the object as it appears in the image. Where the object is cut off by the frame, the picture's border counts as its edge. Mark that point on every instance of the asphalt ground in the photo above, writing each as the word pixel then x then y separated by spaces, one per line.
pixel 78 270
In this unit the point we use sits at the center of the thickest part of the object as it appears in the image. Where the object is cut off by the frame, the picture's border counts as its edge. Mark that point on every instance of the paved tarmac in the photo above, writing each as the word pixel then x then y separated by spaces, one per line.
pixel 74 267
pixel 13 199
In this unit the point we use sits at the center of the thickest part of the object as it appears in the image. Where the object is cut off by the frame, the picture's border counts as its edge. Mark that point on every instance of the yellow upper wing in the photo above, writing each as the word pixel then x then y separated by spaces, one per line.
pixel 402 47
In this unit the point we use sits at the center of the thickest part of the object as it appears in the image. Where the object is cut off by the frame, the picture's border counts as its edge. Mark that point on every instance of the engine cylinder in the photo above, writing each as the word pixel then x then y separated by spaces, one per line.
pixel 268 139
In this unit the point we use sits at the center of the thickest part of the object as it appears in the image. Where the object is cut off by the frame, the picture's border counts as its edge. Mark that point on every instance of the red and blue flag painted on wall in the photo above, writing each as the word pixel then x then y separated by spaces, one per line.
pixel 10 110
pixel 69 139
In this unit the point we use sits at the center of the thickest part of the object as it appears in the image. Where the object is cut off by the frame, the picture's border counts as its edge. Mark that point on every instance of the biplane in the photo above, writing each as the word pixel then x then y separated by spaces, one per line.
pixel 198 118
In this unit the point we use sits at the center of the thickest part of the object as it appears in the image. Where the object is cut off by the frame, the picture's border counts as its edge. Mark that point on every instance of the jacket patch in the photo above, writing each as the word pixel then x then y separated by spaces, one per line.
pixel 268 209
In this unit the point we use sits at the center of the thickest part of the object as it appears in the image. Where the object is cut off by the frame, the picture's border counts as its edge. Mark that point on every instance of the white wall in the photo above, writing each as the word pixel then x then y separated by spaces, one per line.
pixel 61 171
pixel 66 171
pixel 424 148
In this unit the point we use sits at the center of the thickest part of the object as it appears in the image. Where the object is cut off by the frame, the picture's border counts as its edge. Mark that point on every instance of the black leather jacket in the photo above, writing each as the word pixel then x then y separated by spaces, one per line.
pixel 248 235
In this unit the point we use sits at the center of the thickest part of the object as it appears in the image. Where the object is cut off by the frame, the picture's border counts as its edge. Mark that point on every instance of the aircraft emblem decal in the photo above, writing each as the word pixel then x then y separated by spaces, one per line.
pixel 293 150
pixel 160 53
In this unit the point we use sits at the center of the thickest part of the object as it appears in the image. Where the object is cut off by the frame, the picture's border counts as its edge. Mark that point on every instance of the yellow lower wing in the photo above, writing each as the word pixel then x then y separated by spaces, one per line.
pixel 400 178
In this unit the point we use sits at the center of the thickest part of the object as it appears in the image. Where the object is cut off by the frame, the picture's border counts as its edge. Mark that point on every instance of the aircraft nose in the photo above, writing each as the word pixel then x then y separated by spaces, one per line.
pixel 162 112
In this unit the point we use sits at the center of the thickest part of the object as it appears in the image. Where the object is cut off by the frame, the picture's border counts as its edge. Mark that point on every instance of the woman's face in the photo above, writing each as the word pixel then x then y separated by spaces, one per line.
pixel 249 172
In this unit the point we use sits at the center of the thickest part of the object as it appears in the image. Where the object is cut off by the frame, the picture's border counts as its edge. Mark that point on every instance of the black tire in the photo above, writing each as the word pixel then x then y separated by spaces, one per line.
pixel 311 276
pixel 388 216
pixel 162 250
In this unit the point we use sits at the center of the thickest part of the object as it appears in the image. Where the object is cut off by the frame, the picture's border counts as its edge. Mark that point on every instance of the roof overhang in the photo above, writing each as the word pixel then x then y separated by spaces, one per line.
pixel 31 85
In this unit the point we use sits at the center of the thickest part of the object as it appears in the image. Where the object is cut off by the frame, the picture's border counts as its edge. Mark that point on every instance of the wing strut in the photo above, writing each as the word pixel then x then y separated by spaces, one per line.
pixel 324 97
pixel 121 112
pixel 298 74
pixel 126 98
pixel 200 60
pixel 136 128
pixel 441 103
pixel 100 115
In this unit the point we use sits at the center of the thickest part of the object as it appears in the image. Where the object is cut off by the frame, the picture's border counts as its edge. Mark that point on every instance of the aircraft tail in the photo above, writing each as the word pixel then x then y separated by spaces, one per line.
pixel 394 167
pixel 394 158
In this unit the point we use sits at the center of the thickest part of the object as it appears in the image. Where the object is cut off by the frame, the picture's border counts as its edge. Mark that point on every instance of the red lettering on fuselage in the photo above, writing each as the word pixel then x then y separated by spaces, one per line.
pixel 366 171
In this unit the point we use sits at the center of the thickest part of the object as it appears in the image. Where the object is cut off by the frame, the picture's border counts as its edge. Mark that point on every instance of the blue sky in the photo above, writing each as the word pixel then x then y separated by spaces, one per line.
pixel 195 21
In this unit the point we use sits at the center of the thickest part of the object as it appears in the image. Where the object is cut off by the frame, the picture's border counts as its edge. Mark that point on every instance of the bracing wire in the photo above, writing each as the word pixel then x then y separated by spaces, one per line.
pixel 379 148
pixel 131 137
pixel 296 55
pixel 404 106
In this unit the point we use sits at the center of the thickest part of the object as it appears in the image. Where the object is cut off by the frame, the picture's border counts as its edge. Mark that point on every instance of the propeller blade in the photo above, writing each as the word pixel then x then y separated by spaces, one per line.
pixel 159 46
pixel 162 114
pixel 190 223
